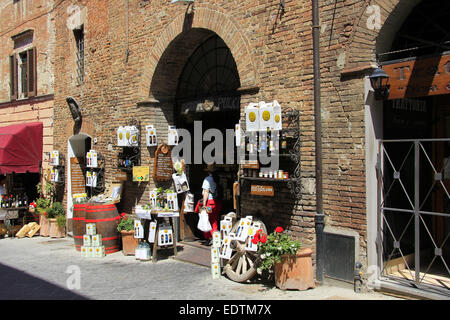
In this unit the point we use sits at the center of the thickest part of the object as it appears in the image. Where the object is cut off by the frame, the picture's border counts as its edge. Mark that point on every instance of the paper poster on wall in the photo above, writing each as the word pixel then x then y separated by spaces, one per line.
pixel 141 173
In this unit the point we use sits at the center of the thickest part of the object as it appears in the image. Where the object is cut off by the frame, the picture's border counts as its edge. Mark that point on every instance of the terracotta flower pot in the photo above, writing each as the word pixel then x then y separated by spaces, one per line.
pixel 55 231
pixel 45 226
pixel 295 272
pixel 129 243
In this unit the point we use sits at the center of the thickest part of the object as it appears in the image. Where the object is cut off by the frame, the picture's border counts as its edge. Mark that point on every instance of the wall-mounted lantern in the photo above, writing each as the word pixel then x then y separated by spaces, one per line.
pixel 379 80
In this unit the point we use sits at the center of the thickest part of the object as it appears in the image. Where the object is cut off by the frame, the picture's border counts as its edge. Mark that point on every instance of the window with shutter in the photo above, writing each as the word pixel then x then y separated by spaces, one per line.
pixel 13 76
pixel 31 72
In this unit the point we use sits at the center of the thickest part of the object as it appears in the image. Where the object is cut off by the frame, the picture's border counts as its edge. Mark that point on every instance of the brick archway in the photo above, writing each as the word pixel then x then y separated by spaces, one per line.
pixel 366 42
pixel 202 19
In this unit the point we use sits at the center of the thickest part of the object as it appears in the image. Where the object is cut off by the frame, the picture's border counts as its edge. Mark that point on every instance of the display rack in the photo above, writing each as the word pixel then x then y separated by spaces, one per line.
pixel 100 170
pixel 60 166
pixel 130 156
pixel 291 129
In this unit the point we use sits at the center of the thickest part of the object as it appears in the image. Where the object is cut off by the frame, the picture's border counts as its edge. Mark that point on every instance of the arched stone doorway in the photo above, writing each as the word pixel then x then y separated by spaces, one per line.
pixel 195 86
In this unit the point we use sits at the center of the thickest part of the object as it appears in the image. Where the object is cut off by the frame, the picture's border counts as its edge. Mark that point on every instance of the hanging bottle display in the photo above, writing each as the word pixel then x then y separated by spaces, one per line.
pixel 91 159
pixel 172 201
pixel 252 117
pixel 54 158
pixel 152 140
pixel 172 136
pixel 265 116
pixel 277 124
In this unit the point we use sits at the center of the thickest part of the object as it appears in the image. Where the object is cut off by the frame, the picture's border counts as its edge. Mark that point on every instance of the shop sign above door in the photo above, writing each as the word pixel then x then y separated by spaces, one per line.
pixel 419 77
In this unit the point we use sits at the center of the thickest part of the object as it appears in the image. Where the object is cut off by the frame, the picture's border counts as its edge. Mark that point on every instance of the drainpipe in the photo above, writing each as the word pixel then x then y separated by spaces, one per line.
pixel 319 216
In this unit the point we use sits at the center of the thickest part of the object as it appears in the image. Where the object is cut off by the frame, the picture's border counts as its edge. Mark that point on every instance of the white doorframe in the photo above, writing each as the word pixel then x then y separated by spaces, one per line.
pixel 72 152
pixel 373 117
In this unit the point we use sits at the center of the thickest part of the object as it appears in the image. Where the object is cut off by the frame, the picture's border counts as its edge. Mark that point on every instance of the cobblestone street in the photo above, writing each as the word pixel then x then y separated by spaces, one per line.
pixel 44 268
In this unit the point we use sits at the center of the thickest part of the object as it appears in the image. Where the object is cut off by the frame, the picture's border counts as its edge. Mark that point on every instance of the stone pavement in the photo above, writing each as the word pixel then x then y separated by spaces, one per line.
pixel 45 268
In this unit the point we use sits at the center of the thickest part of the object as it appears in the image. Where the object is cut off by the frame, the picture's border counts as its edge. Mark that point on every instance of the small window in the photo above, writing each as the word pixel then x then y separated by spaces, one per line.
pixel 79 42
pixel 23 80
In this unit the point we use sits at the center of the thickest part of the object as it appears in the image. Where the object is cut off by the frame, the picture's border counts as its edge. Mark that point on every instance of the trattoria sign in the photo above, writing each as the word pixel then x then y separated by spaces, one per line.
pixel 419 77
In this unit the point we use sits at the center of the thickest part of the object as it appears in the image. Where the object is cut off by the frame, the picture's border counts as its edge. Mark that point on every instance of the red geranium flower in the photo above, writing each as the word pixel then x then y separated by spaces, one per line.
pixel 45 213
pixel 263 239
pixel 279 229
pixel 255 241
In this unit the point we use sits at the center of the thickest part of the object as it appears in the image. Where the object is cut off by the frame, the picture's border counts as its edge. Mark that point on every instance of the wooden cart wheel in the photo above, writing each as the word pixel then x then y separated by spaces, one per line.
pixel 242 264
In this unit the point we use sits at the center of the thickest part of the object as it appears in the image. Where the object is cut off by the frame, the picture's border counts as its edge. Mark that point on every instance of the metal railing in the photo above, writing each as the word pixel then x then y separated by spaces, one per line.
pixel 413 205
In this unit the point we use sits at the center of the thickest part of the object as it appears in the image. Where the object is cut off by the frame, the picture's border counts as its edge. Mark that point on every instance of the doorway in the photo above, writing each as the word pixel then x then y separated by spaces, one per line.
pixel 77 147
pixel 207 97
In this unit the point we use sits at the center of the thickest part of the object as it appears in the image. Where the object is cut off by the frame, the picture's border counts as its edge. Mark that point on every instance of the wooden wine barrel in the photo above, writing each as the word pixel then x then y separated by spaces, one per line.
pixel 106 217
pixel 79 224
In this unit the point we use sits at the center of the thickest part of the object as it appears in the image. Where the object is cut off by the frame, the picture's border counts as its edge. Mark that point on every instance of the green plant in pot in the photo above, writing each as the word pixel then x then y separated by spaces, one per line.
pixel 42 205
pixel 125 224
pixel 272 247
pixel 57 217
pixel 126 228
pixel 283 254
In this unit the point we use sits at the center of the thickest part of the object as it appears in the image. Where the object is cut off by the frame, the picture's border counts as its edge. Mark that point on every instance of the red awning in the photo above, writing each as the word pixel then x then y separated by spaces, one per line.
pixel 21 148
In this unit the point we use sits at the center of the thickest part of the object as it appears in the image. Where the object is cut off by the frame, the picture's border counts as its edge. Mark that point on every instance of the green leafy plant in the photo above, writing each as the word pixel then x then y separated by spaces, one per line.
pixel 42 205
pixel 46 197
pixel 50 213
pixel 125 224
pixel 59 209
pixel 61 221
pixel 273 246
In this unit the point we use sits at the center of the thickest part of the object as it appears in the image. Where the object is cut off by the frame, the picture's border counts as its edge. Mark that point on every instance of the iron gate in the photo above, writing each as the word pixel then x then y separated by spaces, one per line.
pixel 414 213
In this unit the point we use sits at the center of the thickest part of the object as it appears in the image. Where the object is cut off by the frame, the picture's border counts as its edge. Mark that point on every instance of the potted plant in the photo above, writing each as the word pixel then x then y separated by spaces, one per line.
pixel 292 266
pixel 57 220
pixel 126 229
pixel 42 206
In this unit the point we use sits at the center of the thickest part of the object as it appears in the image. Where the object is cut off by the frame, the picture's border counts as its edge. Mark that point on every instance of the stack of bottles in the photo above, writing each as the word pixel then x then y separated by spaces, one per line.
pixel 13 201
pixel 92 243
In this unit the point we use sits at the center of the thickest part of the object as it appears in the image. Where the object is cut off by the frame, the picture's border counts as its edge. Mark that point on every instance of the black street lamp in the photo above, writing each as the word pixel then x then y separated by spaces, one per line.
pixel 379 80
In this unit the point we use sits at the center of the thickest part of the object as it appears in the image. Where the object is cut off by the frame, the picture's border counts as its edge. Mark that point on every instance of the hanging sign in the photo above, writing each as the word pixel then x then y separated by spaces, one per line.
pixel 141 173
pixel 419 77
pixel 162 168
pixel 260 190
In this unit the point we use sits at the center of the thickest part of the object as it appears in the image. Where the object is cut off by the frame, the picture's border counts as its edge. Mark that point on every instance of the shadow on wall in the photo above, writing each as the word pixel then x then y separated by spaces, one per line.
pixel 18 285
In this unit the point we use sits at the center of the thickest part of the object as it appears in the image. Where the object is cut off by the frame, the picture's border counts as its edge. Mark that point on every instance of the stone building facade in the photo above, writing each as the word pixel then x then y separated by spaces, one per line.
pixel 135 53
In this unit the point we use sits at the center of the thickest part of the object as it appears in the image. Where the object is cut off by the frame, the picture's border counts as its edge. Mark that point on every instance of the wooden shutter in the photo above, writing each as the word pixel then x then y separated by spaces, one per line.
pixel 13 76
pixel 31 72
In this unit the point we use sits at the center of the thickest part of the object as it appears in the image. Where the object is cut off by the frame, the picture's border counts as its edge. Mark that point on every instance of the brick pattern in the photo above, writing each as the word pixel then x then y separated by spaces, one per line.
pixel 272 52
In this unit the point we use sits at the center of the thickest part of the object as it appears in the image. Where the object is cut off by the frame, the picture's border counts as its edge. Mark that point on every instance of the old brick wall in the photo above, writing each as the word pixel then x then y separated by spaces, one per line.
pixel 273 52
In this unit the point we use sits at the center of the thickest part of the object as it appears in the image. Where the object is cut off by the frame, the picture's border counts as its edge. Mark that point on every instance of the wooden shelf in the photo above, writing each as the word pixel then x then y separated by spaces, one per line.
pixel 266 179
